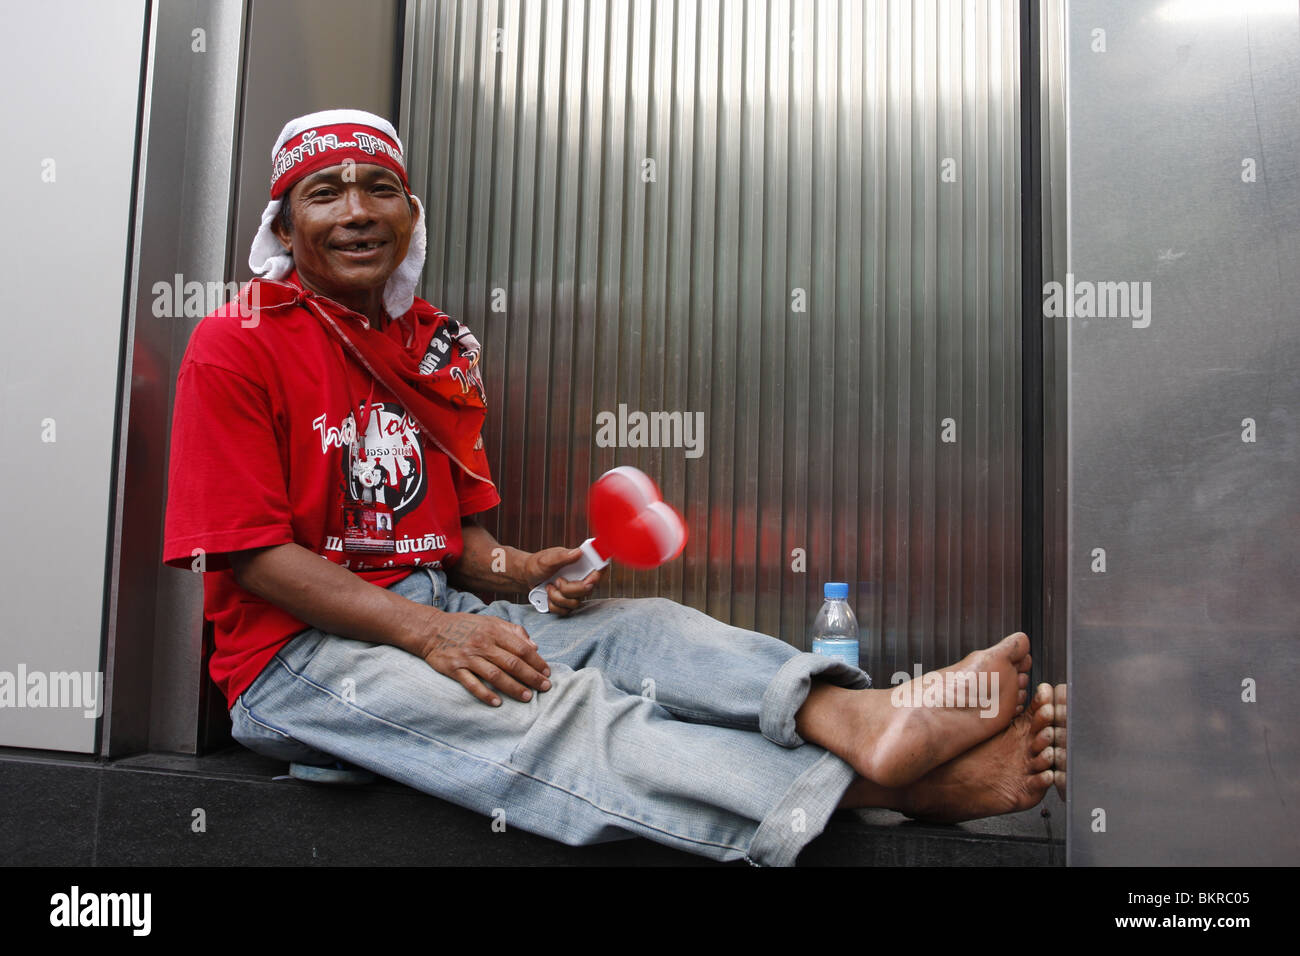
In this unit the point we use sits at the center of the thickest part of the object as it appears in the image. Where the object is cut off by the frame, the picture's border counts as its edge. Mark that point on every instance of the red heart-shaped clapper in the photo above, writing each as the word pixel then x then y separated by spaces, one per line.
pixel 631 521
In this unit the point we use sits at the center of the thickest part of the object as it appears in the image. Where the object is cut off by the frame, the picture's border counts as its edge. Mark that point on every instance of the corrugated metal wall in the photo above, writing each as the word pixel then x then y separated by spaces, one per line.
pixel 797 219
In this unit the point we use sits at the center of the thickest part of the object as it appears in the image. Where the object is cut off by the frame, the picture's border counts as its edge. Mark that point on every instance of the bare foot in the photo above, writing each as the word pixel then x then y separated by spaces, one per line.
pixel 1058 741
pixel 1005 774
pixel 1022 681
pixel 899 735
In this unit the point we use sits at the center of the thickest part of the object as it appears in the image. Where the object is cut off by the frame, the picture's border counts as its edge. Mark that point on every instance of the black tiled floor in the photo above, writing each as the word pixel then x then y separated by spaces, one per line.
pixel 142 810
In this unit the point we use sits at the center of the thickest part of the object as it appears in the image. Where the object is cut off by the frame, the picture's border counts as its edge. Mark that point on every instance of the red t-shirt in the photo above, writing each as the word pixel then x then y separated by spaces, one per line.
pixel 258 459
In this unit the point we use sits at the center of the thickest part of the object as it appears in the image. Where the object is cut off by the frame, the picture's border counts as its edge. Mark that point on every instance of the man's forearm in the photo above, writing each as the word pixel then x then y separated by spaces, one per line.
pixel 333 599
pixel 487 565
pixel 489 657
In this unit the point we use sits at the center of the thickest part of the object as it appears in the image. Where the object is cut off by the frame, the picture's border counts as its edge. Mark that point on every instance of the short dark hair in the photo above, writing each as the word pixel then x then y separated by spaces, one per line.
pixel 284 218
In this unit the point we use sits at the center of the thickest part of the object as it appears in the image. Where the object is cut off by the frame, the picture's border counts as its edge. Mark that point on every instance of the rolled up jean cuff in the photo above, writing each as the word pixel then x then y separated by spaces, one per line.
pixel 789 689
pixel 802 813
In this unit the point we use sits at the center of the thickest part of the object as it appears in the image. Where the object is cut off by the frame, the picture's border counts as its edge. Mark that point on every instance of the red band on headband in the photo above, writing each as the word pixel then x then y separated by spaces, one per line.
pixel 326 146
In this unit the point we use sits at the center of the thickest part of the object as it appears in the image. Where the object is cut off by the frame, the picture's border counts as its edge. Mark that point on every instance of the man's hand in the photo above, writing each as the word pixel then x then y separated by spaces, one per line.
pixel 469 648
pixel 473 648
pixel 565 596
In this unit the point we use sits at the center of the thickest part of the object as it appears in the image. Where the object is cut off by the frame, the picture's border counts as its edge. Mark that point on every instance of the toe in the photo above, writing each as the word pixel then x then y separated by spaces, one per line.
pixel 1042 717
pixel 1041 762
pixel 1040 700
pixel 1042 740
pixel 1017 647
pixel 1035 788
pixel 1042 695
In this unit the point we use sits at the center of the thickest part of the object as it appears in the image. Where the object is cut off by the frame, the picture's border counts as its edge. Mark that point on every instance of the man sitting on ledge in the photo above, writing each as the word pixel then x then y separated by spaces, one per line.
pixel 326 465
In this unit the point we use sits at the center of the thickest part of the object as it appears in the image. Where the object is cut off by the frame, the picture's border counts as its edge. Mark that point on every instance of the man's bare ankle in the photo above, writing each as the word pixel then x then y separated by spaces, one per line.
pixel 827 717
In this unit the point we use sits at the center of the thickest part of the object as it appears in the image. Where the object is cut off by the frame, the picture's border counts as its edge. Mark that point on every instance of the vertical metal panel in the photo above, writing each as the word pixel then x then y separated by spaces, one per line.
pixel 1055 338
pixel 302 56
pixel 797 269
pixel 211 118
pixel 1199 527
pixel 71 75
pixel 182 219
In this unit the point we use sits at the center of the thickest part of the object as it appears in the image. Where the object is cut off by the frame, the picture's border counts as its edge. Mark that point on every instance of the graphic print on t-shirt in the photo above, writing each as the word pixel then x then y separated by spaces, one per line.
pixel 453 333
pixel 390 460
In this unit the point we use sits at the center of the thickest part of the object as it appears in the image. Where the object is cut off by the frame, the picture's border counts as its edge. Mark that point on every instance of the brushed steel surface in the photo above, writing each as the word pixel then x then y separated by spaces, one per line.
pixel 796 146
pixel 188 136
pixel 1056 571
pixel 303 56
pixel 205 172
pixel 1199 527
pixel 71 76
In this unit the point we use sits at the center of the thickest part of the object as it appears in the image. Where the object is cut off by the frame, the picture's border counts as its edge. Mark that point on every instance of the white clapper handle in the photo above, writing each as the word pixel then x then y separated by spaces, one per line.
pixel 590 561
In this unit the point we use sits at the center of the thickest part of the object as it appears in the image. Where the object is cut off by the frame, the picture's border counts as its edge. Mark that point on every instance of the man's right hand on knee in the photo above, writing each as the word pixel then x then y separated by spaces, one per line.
pixel 477 648
pixel 469 648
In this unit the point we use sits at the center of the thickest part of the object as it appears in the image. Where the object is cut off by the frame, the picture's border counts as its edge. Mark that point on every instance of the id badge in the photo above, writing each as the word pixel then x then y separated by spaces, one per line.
pixel 368 527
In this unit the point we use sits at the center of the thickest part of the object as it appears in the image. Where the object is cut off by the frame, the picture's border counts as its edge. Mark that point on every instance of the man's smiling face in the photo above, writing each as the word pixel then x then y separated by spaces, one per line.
pixel 348 237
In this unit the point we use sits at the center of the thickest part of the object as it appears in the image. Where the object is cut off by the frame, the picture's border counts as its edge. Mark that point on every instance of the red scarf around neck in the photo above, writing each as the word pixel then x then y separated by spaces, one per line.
pixel 447 404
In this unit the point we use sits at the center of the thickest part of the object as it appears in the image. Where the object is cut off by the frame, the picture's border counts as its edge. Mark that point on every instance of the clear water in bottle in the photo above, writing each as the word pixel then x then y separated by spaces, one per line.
pixel 835 632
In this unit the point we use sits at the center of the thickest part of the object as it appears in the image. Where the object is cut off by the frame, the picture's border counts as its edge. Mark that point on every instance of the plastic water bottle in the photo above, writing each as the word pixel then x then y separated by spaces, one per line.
pixel 835 632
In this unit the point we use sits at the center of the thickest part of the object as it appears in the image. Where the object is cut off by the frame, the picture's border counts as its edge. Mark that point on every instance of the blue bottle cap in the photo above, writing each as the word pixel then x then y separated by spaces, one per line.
pixel 836 591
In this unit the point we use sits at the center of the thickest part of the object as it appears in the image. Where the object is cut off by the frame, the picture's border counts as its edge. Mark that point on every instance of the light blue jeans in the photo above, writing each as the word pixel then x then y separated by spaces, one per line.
pixel 660 722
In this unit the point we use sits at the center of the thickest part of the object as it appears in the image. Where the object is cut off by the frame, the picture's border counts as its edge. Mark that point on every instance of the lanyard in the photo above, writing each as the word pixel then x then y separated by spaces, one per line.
pixel 366 411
